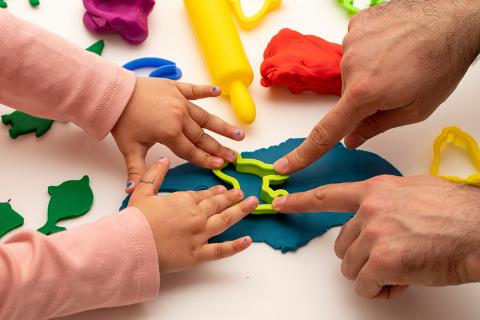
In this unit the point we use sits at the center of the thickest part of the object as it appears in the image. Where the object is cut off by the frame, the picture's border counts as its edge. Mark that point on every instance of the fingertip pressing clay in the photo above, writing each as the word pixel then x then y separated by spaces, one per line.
pixel 280 231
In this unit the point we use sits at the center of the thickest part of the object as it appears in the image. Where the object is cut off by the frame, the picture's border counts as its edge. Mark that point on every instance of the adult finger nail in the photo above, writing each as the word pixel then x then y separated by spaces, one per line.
pixel 281 165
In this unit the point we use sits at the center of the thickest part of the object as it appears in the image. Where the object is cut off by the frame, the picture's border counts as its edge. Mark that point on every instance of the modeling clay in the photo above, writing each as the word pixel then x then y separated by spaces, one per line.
pixel 301 63
pixel 163 68
pixel 261 169
pixel 223 51
pixel 23 123
pixel 129 18
pixel 250 22
pixel 285 232
pixel 33 3
pixel 458 138
pixel 69 200
pixel 97 47
pixel 352 9
pixel 9 219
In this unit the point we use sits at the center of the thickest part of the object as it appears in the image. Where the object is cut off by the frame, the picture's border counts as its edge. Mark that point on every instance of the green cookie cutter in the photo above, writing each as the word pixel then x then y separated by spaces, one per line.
pixel 269 176
pixel 352 9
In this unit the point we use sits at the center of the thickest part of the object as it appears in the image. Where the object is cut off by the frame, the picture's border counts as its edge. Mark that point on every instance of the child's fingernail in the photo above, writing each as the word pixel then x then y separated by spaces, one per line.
pixel 222 189
pixel 214 88
pixel 252 201
pixel 217 162
pixel 129 184
pixel 238 193
pixel 281 165
pixel 239 133
pixel 233 156
pixel 163 159
pixel 245 239
pixel 277 203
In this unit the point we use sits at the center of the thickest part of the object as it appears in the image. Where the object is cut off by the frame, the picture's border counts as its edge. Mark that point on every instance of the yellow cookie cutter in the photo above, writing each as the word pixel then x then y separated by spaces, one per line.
pixel 250 22
pixel 461 139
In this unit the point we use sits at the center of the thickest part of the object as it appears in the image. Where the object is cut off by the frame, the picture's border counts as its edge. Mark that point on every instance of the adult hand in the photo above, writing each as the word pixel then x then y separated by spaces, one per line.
pixel 401 60
pixel 407 231
pixel 182 222
pixel 160 112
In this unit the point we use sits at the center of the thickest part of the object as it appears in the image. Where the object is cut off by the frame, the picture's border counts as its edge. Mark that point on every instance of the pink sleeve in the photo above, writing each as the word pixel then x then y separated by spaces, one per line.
pixel 108 263
pixel 47 76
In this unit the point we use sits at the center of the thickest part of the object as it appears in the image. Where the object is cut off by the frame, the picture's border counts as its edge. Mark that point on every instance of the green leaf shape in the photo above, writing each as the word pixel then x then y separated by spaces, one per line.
pixel 71 199
pixel 9 218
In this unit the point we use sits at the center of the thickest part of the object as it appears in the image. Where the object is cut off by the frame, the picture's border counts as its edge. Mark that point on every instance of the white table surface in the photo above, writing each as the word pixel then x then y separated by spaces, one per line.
pixel 260 283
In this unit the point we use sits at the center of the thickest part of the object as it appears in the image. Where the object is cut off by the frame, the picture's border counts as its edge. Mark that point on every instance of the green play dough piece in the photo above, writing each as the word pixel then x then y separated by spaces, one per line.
pixel 34 3
pixel 23 123
pixel 69 200
pixel 9 218
pixel 97 47
pixel 3 4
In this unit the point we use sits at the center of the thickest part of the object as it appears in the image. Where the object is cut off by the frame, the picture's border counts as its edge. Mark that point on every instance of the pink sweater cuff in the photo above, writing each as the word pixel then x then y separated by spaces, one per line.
pixel 108 263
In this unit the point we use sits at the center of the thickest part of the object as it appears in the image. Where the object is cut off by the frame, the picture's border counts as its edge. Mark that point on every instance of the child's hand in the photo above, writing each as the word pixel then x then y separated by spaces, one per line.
pixel 183 222
pixel 160 111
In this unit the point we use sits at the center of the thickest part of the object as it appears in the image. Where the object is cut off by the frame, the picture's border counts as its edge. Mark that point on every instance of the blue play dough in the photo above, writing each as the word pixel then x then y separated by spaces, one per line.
pixel 285 232
pixel 163 68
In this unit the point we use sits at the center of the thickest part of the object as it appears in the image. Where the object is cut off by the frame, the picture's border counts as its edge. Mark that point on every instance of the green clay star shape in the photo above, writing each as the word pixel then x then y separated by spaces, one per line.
pixel 269 176
pixel 23 123
pixel 349 5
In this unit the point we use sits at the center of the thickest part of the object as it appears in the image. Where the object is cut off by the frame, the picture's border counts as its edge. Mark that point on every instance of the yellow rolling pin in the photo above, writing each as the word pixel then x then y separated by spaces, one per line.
pixel 223 51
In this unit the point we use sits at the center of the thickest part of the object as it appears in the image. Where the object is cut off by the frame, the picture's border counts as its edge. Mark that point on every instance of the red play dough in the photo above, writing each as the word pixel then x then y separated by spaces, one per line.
pixel 302 62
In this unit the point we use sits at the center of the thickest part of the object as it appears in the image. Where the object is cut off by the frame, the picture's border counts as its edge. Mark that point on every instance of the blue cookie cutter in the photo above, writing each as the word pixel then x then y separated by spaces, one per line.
pixel 163 68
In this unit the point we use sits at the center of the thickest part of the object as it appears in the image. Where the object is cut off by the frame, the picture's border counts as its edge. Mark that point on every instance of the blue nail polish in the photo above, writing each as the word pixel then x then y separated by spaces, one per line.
pixel 238 133
pixel 129 184
pixel 214 88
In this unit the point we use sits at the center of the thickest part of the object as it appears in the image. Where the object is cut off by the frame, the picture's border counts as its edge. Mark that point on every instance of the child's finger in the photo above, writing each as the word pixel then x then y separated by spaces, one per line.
pixel 220 222
pixel 214 123
pixel 218 203
pixel 135 162
pixel 184 148
pixel 194 92
pixel 152 179
pixel 217 251
pixel 207 143
pixel 199 196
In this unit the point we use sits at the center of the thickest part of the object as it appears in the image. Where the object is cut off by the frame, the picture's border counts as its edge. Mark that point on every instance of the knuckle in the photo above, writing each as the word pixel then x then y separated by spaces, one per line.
pixel 372 233
pixel 375 125
pixel 226 219
pixel 371 207
pixel 362 89
pixel 205 119
pixel 347 270
pixel 382 258
pixel 201 138
pixel 320 137
pixel 218 251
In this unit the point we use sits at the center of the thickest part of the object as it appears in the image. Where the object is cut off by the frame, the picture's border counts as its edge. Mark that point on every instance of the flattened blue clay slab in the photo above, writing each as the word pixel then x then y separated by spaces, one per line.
pixel 286 232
